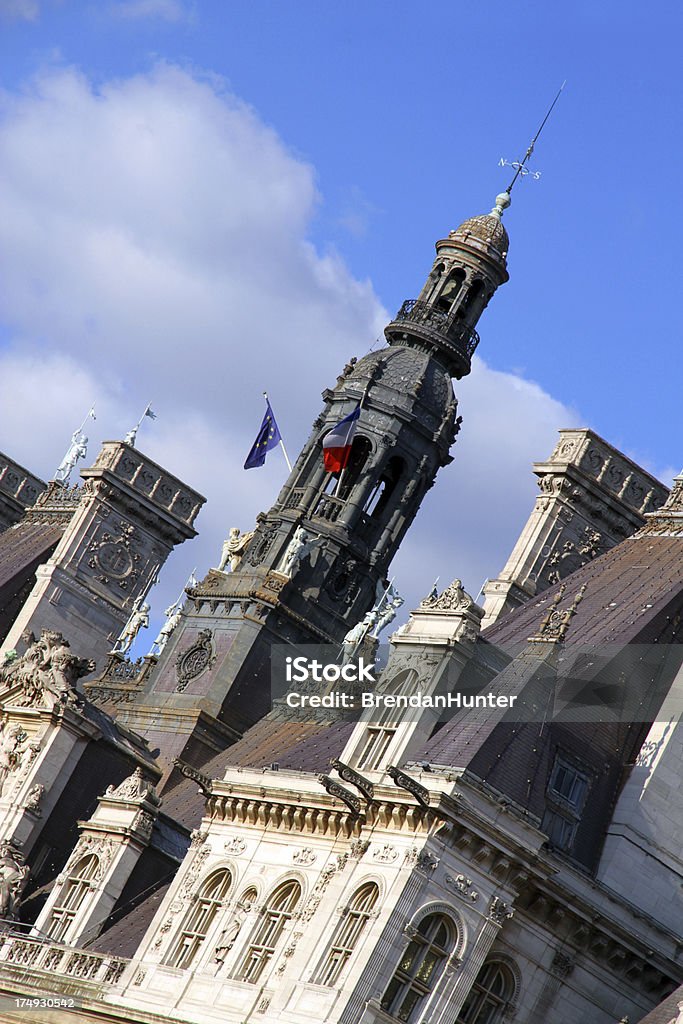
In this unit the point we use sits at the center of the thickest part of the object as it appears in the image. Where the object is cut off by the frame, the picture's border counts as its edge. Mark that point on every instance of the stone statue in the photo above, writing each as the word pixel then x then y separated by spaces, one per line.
pixel 228 936
pixel 13 878
pixel 138 619
pixel 234 547
pixel 47 668
pixel 301 544
pixel 135 787
pixel 453 599
pixel 387 604
pixel 358 633
pixel 173 615
pixel 78 449
pixel 33 798
pixel 12 749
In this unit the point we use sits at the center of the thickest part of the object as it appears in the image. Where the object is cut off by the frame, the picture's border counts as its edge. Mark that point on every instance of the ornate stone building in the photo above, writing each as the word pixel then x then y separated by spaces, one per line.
pixel 465 848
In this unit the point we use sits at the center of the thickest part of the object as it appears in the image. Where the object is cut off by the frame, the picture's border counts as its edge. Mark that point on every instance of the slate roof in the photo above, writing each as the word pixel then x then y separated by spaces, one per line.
pixel 123 938
pixel 625 589
pixel 22 549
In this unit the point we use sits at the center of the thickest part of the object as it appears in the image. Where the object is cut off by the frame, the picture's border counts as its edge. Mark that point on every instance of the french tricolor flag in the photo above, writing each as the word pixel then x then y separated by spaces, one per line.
pixel 337 444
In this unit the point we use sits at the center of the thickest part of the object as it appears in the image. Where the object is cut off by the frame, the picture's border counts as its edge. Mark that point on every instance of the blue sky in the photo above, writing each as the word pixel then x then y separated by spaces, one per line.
pixel 371 130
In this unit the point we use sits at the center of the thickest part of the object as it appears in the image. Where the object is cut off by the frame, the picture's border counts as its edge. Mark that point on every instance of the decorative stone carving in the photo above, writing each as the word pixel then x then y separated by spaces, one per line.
pixel 102 846
pixel 463 886
pixel 387 603
pixel 14 874
pixel 301 545
pixel 229 934
pixel 234 547
pixel 499 911
pixel 304 856
pixel 115 558
pixel 144 823
pixel 359 847
pixel 386 853
pixel 135 787
pixel 235 846
pixel 46 673
pixel 13 747
pixel 321 885
pixel 78 449
pixel 453 599
pixel 335 789
pixel 191 662
pixel 262 545
pixel 138 620
pixel 33 798
pixel 173 616
pixel 562 965
pixel 554 624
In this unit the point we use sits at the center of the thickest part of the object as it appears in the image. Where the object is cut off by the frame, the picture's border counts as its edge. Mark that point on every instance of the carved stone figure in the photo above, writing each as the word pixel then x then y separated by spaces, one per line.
pixel 173 615
pixel 139 619
pixel 78 449
pixel 229 934
pixel 47 668
pixel 301 544
pixel 234 547
pixel 358 633
pixel 453 599
pixel 387 604
pixel 135 787
pixel 12 749
pixel 33 798
pixel 13 878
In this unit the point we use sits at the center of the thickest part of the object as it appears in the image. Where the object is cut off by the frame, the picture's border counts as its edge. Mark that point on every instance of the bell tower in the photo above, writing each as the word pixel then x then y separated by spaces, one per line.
pixel 213 679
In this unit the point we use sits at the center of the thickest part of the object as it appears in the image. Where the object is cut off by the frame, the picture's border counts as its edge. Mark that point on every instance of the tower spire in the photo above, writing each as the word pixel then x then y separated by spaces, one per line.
pixel 503 200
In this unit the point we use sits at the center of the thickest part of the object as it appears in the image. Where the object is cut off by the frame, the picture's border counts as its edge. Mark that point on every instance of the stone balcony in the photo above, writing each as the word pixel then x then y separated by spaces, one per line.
pixel 455 340
pixel 35 965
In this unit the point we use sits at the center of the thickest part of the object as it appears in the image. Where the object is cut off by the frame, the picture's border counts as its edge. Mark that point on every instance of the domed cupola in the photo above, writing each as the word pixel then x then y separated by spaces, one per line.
pixel 470 264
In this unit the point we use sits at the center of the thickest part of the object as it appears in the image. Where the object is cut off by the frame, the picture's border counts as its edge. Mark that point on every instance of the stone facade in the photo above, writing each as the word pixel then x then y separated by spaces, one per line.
pixel 127 518
pixel 18 491
pixel 591 497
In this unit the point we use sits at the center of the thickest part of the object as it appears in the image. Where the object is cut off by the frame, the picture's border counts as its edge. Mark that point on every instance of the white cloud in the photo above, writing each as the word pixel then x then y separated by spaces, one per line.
pixel 167 10
pixel 19 10
pixel 153 245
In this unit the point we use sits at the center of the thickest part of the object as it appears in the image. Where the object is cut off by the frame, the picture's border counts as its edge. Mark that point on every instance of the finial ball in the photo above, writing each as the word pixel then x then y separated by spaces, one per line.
pixel 503 200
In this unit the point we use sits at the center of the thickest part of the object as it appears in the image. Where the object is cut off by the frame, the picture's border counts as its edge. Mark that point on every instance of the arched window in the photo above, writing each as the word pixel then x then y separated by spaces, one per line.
pixel 490 995
pixel 473 301
pixel 449 292
pixel 81 880
pixel 420 967
pixel 384 488
pixel 276 914
pixel 347 934
pixel 199 919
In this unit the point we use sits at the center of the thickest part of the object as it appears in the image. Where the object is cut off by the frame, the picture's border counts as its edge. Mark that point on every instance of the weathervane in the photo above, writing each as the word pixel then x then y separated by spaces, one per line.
pixel 519 166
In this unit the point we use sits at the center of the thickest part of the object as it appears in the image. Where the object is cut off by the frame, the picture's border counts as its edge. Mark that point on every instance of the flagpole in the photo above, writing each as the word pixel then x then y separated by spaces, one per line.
pixel 139 423
pixel 281 442
pixel 341 475
pixel 90 412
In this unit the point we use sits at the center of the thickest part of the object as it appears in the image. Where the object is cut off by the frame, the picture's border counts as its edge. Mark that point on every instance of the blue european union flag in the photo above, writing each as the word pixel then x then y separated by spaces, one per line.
pixel 268 437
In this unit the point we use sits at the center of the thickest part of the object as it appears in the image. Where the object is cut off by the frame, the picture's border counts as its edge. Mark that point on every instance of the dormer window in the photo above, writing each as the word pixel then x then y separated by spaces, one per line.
pixel 565 799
